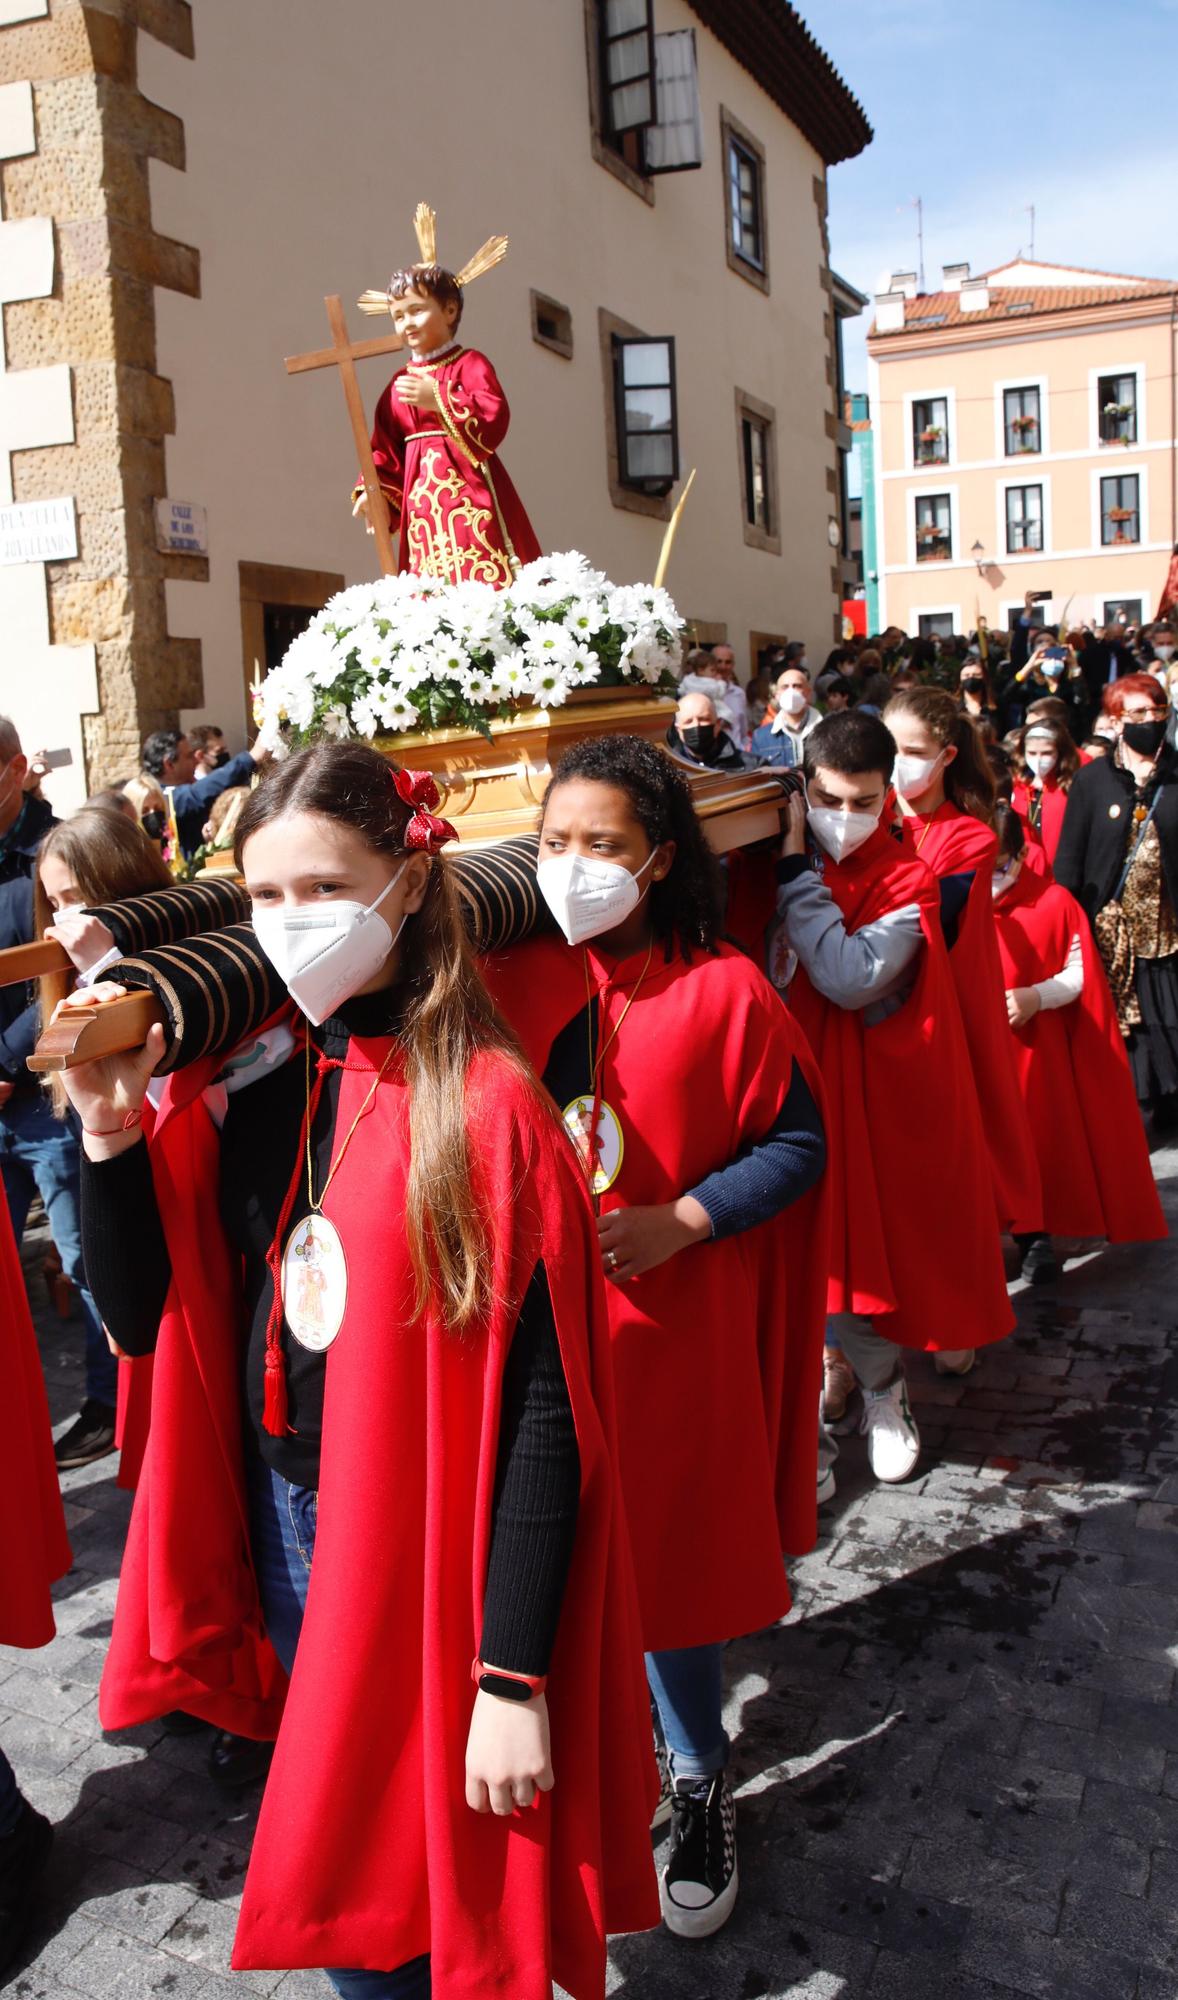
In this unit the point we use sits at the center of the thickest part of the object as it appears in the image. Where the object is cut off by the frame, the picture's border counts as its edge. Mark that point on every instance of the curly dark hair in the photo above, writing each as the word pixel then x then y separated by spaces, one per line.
pixel 432 279
pixel 686 907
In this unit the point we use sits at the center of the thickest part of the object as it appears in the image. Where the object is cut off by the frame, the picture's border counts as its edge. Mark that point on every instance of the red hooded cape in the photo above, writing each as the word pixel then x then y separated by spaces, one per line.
pixel 34 1549
pixel 915 1247
pixel 951 842
pixel 1053 806
pixel 366 1852
pixel 1097 1178
pixel 718 1352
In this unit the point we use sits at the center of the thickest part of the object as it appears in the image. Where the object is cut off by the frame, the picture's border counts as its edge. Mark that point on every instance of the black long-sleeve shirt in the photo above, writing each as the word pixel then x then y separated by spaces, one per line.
pixel 538 1471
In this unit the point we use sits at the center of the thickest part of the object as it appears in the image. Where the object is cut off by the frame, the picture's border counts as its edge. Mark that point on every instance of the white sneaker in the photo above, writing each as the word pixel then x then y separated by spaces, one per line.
pixel 826 1487
pixel 893 1441
pixel 955 1360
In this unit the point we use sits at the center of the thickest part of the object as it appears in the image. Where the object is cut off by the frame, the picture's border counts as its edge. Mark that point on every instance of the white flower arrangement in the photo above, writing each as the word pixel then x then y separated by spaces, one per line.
pixel 407 652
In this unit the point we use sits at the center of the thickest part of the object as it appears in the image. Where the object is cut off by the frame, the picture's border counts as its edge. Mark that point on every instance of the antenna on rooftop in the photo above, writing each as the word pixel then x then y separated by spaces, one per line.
pixel 1030 210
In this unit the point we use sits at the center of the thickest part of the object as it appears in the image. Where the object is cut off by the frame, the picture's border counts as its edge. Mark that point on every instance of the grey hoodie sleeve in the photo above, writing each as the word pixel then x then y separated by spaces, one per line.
pixel 855 969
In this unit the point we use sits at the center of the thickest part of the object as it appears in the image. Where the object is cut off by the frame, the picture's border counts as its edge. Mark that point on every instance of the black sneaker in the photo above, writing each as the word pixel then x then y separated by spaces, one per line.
pixel 236 1762
pixel 1040 1263
pixel 23 1854
pixel 90 1436
pixel 699 1883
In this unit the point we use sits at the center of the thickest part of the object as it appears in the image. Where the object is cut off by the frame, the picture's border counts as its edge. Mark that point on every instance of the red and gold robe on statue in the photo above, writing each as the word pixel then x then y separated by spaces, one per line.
pixel 460 518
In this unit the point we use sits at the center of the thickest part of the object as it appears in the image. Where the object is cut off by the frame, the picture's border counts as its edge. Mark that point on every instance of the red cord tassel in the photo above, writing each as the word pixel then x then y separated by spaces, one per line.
pixel 274 1402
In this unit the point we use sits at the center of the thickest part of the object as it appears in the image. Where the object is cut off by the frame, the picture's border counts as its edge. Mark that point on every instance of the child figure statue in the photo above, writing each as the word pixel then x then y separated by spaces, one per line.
pixel 439 425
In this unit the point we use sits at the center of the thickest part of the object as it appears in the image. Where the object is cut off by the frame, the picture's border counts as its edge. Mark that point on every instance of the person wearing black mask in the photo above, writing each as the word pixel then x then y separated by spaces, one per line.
pixel 973 688
pixel 1118 854
pixel 696 737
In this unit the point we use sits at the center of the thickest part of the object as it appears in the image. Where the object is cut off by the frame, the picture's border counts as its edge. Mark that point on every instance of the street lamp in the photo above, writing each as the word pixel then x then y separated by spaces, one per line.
pixel 978 552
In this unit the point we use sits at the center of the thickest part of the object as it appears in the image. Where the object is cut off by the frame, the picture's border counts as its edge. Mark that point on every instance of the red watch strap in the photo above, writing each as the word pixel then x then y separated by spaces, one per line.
pixel 535 1683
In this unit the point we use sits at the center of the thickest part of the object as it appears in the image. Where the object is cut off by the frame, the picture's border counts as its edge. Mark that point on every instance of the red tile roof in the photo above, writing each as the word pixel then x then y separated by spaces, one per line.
pixel 944 308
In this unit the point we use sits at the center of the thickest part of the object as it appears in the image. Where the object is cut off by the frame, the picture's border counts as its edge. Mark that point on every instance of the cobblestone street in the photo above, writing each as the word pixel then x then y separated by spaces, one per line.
pixel 957 1761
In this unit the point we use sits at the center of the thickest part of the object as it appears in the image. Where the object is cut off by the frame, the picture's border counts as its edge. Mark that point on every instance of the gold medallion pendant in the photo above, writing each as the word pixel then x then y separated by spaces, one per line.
pixel 600 1151
pixel 314 1282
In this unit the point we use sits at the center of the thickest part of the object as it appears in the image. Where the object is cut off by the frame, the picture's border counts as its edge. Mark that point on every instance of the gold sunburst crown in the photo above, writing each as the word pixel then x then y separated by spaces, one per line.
pixel 425 223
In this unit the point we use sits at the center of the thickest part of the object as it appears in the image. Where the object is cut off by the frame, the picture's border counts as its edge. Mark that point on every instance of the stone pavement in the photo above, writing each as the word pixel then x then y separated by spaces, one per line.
pixel 957 1760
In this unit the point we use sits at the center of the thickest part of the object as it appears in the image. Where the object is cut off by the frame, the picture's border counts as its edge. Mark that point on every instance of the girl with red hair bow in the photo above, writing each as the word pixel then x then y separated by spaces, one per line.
pixel 382 1438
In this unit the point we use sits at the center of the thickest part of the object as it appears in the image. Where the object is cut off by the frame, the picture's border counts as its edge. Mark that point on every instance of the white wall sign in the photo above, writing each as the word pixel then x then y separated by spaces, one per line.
pixel 181 528
pixel 38 531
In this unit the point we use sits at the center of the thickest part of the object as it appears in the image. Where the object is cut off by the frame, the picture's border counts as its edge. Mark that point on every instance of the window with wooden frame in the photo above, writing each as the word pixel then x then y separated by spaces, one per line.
pixel 934 528
pixel 1024 519
pixel 626 491
pixel 646 411
pixel 930 431
pixel 1021 425
pixel 746 233
pixel 1120 510
pixel 756 436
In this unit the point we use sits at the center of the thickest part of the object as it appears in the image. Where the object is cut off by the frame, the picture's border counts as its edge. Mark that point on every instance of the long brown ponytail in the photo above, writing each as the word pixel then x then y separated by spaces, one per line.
pixel 449 1019
pixel 968 780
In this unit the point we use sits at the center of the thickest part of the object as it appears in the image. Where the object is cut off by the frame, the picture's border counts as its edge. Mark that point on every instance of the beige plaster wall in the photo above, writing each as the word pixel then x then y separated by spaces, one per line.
pixel 311 133
pixel 1073 565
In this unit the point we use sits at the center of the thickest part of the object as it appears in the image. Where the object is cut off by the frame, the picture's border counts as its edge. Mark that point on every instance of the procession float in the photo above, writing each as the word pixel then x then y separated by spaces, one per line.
pixel 473 659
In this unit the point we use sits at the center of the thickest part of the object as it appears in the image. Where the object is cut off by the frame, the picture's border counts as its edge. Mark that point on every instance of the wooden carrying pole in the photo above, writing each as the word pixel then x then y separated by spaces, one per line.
pixel 82 1034
pixel 30 961
pixel 343 354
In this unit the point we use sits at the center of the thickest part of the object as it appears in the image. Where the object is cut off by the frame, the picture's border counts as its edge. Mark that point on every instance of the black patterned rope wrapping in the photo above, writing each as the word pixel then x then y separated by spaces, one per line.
pixel 217 987
pixel 164 916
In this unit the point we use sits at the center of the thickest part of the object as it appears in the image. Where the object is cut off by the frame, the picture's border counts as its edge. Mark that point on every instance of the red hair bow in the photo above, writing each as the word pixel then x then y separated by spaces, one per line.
pixel 425 832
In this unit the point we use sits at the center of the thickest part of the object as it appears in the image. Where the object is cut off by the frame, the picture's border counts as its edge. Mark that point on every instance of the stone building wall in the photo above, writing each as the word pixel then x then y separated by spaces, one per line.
pixel 86 648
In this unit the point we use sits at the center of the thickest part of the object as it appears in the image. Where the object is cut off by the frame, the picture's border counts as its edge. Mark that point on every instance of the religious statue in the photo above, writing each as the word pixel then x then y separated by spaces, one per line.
pixel 439 425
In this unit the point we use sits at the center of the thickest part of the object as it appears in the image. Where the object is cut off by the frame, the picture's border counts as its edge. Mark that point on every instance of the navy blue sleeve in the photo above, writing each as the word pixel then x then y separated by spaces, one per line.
pixel 20 1016
pixel 767 1176
pixel 954 897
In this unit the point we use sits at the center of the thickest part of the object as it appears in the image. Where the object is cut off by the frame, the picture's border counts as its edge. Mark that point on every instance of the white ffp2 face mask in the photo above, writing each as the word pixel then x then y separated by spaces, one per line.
pixel 913 775
pixel 1041 763
pixel 326 952
pixel 793 700
pixel 839 833
pixel 586 896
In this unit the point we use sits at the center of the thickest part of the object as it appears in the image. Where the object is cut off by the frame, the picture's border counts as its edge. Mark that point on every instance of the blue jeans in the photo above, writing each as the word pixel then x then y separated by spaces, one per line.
pixel 10 1798
pixel 687 1689
pixel 41 1152
pixel 282 1539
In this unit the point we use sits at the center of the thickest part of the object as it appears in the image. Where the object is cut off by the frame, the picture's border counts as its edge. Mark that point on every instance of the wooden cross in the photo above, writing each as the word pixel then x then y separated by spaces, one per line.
pixel 344 354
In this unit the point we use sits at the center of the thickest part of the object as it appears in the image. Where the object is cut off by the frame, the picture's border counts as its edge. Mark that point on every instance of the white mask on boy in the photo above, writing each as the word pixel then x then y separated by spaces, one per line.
pixel 326 952
pixel 840 832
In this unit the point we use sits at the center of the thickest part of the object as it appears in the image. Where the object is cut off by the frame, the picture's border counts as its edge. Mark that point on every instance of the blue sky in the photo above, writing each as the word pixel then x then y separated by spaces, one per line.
pixel 986 107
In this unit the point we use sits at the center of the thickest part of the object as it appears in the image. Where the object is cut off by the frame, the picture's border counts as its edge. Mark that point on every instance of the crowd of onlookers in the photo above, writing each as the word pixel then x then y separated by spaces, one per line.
pixel 1035 673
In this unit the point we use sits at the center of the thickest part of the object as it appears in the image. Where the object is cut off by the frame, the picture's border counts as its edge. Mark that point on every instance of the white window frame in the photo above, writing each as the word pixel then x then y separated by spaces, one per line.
pixel 1001 488
pixel 1106 597
pixel 916 493
pixel 953 611
pixel 949 398
pixel 1038 382
pixel 1134 368
pixel 1111 467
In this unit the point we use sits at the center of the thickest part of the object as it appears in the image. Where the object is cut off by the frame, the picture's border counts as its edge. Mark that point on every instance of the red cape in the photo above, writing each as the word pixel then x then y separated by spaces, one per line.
pixel 915 1244
pixel 1097 1177
pixel 717 1353
pixel 952 842
pixel 367 1784
pixel 1052 809
pixel 34 1549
